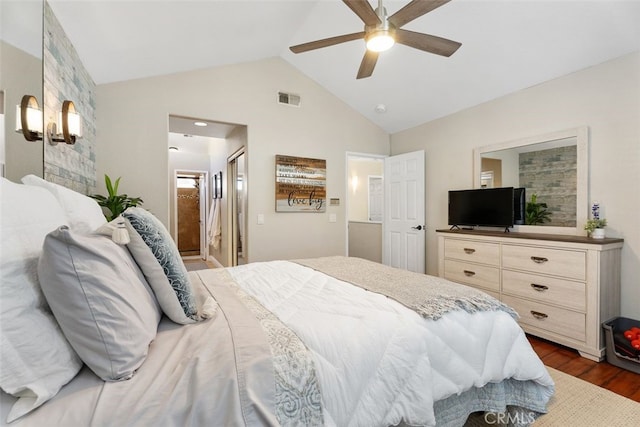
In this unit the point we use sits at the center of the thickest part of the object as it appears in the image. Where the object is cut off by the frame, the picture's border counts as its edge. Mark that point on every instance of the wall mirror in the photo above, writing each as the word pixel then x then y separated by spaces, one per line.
pixel 553 167
pixel 20 74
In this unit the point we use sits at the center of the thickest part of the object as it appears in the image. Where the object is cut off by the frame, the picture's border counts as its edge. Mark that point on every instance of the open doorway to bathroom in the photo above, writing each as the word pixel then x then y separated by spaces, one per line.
pixel 191 208
pixel 199 150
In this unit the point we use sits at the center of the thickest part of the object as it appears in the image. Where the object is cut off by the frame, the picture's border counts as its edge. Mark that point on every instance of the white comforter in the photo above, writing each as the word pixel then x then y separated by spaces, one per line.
pixel 405 363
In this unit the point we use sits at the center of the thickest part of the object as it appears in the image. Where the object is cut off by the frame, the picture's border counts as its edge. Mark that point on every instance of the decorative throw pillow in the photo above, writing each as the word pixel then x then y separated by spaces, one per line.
pixel 101 301
pixel 35 358
pixel 84 213
pixel 158 257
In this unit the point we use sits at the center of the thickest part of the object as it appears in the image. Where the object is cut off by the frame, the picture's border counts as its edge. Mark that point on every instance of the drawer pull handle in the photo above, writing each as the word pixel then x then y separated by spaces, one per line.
pixel 469 273
pixel 539 259
pixel 539 288
pixel 469 251
pixel 538 315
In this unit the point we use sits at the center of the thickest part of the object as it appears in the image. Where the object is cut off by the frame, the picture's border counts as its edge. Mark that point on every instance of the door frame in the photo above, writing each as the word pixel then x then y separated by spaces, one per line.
pixel 231 191
pixel 347 181
pixel 203 209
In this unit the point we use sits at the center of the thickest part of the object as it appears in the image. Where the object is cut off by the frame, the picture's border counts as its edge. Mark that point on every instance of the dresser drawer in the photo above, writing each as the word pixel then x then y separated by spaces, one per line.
pixel 553 319
pixel 545 289
pixel 468 250
pixel 482 276
pixel 563 263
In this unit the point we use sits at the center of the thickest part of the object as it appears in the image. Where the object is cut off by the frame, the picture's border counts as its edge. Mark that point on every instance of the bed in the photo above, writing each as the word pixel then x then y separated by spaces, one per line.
pixel 332 341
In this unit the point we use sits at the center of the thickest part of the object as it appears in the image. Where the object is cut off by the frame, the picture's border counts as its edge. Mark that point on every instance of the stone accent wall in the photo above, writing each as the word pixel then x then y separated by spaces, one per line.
pixel 552 175
pixel 65 78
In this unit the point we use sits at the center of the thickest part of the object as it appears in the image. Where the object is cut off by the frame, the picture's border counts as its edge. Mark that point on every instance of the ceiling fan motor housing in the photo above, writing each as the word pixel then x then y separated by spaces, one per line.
pixel 381 32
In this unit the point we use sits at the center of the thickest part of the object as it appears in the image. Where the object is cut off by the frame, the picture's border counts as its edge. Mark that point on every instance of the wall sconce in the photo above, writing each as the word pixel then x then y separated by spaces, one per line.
pixel 68 122
pixel 354 183
pixel 29 118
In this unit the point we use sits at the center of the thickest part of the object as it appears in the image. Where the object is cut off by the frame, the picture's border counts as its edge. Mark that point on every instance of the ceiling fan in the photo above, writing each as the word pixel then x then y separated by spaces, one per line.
pixel 382 31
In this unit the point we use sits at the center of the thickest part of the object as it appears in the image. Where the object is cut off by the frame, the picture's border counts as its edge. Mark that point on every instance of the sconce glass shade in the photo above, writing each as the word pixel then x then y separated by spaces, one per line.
pixel 380 41
pixel 74 123
pixel 29 118
pixel 69 122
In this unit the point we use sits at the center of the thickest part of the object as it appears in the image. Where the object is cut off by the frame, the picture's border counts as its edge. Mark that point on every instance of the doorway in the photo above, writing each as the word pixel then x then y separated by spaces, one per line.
pixel 365 205
pixel 191 209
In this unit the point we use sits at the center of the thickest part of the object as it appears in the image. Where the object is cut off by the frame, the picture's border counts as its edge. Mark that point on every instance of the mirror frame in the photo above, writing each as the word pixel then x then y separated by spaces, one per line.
pixel 582 191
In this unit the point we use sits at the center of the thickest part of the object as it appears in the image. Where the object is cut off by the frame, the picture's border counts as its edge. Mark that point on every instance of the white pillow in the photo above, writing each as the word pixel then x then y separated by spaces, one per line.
pixel 35 358
pixel 83 212
pixel 101 301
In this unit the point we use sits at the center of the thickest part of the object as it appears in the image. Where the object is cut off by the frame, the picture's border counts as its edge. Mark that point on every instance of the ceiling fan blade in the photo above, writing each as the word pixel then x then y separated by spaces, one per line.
pixel 363 9
pixel 426 42
pixel 326 42
pixel 367 65
pixel 414 10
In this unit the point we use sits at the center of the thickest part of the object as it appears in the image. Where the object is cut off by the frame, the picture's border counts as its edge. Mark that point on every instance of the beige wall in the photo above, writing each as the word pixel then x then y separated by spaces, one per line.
pixel 132 143
pixel 365 240
pixel 606 98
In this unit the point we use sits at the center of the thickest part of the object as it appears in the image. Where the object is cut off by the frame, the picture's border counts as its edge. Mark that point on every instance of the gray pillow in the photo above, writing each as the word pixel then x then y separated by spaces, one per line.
pixel 158 257
pixel 101 300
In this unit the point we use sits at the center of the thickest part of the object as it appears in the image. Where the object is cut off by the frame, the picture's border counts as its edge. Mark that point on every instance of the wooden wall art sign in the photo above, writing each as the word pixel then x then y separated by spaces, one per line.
pixel 300 184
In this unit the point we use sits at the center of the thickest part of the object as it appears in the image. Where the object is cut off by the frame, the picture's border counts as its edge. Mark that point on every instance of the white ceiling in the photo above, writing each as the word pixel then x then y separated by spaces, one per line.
pixel 507 45
pixel 187 126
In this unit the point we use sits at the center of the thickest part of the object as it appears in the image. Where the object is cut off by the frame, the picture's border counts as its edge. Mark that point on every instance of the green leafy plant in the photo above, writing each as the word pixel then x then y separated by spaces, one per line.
pixel 536 212
pixel 114 202
pixel 592 224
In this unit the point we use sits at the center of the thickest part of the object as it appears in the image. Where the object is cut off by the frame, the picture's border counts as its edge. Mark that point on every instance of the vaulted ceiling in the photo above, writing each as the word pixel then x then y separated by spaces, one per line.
pixel 507 45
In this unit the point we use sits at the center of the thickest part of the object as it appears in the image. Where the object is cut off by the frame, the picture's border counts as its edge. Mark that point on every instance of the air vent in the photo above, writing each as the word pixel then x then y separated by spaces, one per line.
pixel 289 99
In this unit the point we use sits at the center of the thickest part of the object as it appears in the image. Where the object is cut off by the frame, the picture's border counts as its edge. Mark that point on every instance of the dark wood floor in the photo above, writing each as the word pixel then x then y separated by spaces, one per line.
pixel 602 374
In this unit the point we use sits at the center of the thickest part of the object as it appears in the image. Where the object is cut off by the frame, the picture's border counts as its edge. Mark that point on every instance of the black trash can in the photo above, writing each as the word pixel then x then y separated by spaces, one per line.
pixel 619 350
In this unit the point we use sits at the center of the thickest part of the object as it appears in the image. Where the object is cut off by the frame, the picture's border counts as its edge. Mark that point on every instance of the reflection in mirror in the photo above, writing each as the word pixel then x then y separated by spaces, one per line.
pixel 239 200
pixel 552 168
pixel 547 170
pixel 20 74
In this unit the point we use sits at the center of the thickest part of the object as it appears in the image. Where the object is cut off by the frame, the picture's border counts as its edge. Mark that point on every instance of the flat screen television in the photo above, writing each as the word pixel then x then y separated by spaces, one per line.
pixel 489 207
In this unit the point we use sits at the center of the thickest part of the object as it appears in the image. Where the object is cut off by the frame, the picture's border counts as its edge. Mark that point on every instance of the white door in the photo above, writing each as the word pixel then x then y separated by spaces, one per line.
pixel 403 232
pixel 376 198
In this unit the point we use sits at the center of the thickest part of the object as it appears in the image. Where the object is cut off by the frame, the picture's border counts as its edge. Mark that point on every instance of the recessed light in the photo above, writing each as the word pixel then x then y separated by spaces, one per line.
pixel 201 124
pixel 172 148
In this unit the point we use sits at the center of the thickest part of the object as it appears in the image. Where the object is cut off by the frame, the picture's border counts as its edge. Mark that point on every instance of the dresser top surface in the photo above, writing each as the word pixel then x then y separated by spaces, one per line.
pixel 534 236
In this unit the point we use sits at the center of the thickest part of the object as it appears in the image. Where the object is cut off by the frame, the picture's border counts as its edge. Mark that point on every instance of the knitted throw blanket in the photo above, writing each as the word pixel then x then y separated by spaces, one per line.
pixel 429 296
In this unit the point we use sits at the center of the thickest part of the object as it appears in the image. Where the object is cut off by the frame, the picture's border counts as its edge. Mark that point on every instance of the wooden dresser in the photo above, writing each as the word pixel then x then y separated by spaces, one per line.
pixel 563 287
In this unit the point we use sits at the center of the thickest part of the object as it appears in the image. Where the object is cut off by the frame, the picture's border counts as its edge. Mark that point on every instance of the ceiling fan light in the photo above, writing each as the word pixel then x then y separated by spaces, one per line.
pixel 380 41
